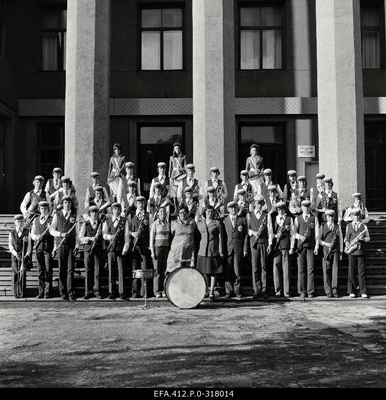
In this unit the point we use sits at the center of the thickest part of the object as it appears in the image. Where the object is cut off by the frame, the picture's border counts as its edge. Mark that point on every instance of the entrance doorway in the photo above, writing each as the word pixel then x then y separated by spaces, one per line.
pixel 375 161
pixel 271 140
pixel 156 145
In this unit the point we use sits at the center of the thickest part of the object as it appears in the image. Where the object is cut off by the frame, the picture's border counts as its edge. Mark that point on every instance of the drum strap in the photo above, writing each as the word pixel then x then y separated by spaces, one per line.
pixel 207 243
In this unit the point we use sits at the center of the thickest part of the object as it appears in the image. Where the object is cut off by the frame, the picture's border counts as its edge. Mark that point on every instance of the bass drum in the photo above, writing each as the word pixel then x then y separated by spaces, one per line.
pixel 185 287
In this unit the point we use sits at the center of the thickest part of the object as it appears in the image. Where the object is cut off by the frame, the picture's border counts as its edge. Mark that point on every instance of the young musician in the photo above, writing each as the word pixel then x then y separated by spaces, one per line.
pixel 102 204
pixel 90 192
pixel 163 179
pixel 300 194
pixel 217 184
pixel 329 200
pixel 236 240
pixel 116 170
pixel 214 201
pixel 115 231
pixel 357 203
pixel 44 244
pixel 91 236
pixel 269 182
pixel 357 235
pixel 18 239
pixel 66 190
pixel 332 241
pixel 156 201
pixel 30 203
pixel 128 201
pixel 189 181
pixel 319 188
pixel 244 206
pixel 64 229
pixel 307 234
pixel 139 229
pixel 246 185
pixel 282 242
pixel 259 225
pixel 130 177
pixel 273 199
pixel 290 186
pixel 160 246
pixel 191 203
pixel 177 164
pixel 255 167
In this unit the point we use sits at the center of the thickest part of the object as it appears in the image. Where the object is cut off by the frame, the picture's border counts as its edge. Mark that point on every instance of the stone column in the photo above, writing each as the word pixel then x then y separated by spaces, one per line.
pixel 87 119
pixel 340 96
pixel 214 133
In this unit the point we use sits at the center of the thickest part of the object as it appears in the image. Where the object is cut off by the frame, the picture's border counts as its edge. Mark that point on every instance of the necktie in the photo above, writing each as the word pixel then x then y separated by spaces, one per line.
pixel 19 233
pixel 140 216
pixel 306 218
pixel 42 220
pixel 233 222
pixel 215 183
pixel 115 223
pixel 190 181
pixel 355 226
pixel 281 220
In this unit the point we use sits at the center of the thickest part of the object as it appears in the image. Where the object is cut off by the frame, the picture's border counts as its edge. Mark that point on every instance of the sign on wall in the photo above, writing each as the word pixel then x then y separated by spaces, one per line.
pixel 306 151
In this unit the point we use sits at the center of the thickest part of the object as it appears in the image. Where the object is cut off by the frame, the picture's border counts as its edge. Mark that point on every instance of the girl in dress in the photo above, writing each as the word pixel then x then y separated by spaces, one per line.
pixel 116 170
pixel 255 168
pixel 177 163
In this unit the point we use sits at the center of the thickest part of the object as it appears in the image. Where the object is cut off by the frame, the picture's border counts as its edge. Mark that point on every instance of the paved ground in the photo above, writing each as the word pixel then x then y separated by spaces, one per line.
pixel 223 344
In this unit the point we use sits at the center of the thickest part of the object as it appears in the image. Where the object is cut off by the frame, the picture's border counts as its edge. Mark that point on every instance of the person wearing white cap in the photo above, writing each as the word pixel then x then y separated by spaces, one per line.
pixel 123 186
pixel 332 241
pixel 102 204
pixel 191 203
pixel 282 242
pixel 357 235
pixel 307 235
pixel 64 228
pixel 244 205
pixel 246 185
pixel 116 170
pixel 216 202
pixel 235 248
pixel 54 184
pixel 219 185
pixel 156 201
pixel 290 186
pixel 177 163
pixel 300 194
pixel 129 201
pixel 189 181
pixel 66 190
pixel 90 192
pixel 163 179
pixel 273 198
pixel 30 203
pixel 268 181
pixel 357 203
pixel 18 242
pixel 44 244
pixel 254 166
pixel 329 200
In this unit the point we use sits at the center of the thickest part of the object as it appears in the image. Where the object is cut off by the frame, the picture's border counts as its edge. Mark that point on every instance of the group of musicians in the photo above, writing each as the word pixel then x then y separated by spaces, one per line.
pixel 184 223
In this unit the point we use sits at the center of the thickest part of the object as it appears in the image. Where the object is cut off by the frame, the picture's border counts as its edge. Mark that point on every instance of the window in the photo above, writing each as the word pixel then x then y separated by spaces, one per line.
pixel 2 134
pixel 261 30
pixel 50 148
pixel 371 37
pixel 162 39
pixel 3 21
pixel 54 22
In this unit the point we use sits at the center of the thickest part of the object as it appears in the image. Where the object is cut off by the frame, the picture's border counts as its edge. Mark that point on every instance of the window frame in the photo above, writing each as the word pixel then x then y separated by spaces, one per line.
pixel 3 25
pixel 2 152
pixel 282 28
pixel 62 31
pixel 162 6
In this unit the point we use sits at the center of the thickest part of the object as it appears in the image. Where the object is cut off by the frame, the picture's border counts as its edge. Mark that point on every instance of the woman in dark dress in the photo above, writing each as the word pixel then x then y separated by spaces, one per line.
pixel 210 253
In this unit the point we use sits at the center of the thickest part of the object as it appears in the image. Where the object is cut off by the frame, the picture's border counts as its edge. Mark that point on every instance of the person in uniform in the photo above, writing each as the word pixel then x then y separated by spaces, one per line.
pixel 357 235
pixel 259 225
pixel 44 244
pixel 307 235
pixel 184 236
pixel 125 183
pixel 104 206
pixel 328 201
pixel 244 205
pixel 217 184
pixel 267 183
pixel 66 190
pixel 246 185
pixel 177 163
pixel 155 202
pixel 210 253
pixel 30 203
pixel 18 242
pixel 332 241
pixel 90 192
pixel 282 242
pixel 290 187
pixel 129 202
pixel 115 231
pixel 64 228
pixel 357 203
pixel 159 247
pixel 300 194
pixel 191 203
pixel 163 179
pixel 91 236
pixel 116 170
pixel 273 198
pixel 139 229
pixel 235 248
pixel 214 201
pixel 255 167
pixel 189 181
pixel 319 188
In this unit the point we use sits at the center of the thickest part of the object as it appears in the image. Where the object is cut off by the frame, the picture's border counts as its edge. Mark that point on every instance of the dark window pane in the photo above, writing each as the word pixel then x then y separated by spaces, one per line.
pixel 151 18
pixel 271 16
pixel 172 18
pixel 173 50
pixel 370 16
pixel 52 19
pixel 51 135
pixel 250 49
pixel 250 16
pixel 262 134
pixel 371 49
pixel 160 134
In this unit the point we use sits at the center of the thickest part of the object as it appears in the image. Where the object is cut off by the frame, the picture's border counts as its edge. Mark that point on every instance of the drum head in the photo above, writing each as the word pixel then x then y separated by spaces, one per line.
pixel 185 287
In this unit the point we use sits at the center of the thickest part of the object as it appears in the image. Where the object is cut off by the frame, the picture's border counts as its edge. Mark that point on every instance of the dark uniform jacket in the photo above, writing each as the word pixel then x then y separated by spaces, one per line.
pixel 236 238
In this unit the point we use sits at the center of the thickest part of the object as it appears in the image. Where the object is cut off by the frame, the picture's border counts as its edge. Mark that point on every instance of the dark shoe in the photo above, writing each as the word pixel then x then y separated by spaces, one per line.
pixel 111 297
pixel 206 295
pixel 239 296
pixel 135 296
pixel 64 297
pixel 87 296
pixel 265 295
pixel 228 295
pixel 40 296
pixel 72 297
pixel 122 296
pixel 256 295
pixel 329 295
pixel 98 295
pixel 47 296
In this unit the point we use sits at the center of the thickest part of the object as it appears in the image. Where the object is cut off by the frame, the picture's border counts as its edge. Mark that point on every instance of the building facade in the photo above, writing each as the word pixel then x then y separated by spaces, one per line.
pixel 305 79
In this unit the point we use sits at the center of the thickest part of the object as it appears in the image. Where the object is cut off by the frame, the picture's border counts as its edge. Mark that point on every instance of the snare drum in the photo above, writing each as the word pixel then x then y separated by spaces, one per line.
pixel 185 287
pixel 143 273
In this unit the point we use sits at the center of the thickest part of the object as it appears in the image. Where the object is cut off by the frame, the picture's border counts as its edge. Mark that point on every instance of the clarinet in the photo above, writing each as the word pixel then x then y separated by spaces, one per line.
pixel 306 235
pixel 98 234
pixel 139 233
pixel 280 232
pixel 260 231
pixel 333 241
pixel 120 228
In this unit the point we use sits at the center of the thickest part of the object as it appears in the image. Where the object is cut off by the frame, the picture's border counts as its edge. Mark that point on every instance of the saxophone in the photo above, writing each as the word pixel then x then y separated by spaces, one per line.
pixel 120 229
pixel 260 231
pixel 307 235
pixel 328 256
pixel 354 245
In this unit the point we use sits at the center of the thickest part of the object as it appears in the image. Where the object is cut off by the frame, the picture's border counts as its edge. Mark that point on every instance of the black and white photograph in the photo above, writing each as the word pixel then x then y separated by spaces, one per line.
pixel 192 196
